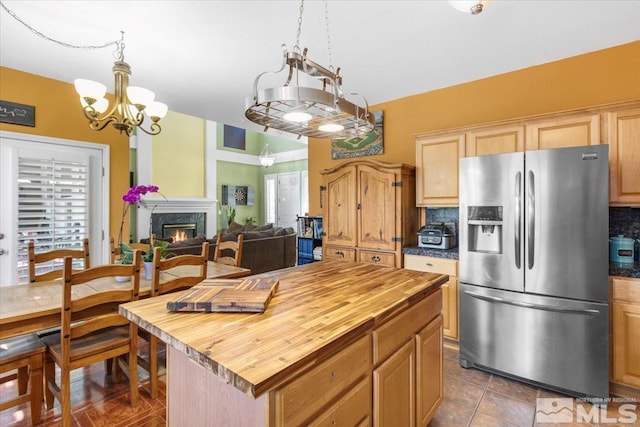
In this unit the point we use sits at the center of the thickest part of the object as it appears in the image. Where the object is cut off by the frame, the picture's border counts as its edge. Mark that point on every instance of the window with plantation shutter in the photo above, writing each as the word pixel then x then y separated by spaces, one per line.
pixel 53 208
pixel 54 192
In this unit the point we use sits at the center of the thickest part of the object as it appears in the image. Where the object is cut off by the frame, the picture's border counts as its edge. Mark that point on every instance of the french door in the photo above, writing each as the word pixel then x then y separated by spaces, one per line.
pixel 283 199
pixel 53 193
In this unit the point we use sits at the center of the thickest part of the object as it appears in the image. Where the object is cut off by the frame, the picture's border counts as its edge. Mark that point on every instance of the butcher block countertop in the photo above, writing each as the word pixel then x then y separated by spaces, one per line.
pixel 318 308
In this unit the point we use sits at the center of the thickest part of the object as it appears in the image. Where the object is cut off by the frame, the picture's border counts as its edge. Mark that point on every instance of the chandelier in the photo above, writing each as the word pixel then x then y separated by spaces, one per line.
pixel 130 101
pixel 266 157
pixel 319 112
pixel 473 7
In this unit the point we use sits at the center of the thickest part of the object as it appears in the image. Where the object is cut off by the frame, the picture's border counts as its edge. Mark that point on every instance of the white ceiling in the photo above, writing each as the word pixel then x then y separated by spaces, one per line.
pixel 201 57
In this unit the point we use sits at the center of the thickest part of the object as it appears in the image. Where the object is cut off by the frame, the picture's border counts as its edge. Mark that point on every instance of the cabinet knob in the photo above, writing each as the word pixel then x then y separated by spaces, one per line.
pixel 375 258
pixel 340 253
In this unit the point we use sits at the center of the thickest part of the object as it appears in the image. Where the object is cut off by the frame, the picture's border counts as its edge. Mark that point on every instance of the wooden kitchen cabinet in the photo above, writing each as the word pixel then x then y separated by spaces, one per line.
pixel 623 137
pixel 437 169
pixel 407 375
pixel 369 211
pixel 625 331
pixel 496 140
pixel 573 131
pixel 449 289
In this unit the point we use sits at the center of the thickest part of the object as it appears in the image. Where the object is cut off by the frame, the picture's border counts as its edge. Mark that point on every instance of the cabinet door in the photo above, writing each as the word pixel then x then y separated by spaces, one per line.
pixel 505 139
pixel 393 389
pixel 626 343
pixel 450 308
pixel 429 365
pixel 624 155
pixel 565 132
pixel 376 213
pixel 339 218
pixel 437 170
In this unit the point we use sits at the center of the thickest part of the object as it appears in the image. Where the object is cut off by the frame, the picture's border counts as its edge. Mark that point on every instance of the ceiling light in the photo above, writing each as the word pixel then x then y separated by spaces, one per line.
pixel 331 127
pixel 130 101
pixel 267 158
pixel 297 117
pixel 473 7
pixel 298 108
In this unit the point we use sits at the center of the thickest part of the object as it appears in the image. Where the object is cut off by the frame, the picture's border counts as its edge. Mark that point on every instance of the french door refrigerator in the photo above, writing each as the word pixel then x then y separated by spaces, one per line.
pixel 534 267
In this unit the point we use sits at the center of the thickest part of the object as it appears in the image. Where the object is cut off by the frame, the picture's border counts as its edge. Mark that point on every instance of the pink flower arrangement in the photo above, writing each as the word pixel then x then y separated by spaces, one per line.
pixel 131 197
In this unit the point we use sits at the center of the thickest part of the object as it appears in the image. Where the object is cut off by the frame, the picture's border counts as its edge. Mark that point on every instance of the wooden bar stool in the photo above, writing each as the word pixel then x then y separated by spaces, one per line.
pixel 25 354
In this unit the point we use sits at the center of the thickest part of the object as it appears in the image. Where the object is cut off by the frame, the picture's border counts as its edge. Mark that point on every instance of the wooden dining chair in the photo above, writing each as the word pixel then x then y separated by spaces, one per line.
pixel 163 284
pixel 92 329
pixel 22 358
pixel 52 255
pixel 228 252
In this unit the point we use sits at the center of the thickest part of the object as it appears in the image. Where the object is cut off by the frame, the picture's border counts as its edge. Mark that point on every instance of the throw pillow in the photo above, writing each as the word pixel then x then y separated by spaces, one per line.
pixel 232 236
pixel 263 227
pixel 195 241
pixel 234 226
pixel 249 235
pixel 250 227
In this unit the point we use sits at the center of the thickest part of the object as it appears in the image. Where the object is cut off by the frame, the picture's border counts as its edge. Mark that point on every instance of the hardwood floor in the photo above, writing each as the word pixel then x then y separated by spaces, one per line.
pixel 471 398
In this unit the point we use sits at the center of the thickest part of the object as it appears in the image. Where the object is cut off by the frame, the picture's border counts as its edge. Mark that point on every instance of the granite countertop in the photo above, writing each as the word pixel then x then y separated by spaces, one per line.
pixel 615 268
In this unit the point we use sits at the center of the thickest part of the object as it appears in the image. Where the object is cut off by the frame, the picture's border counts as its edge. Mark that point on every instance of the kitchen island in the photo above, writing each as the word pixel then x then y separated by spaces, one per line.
pixel 340 342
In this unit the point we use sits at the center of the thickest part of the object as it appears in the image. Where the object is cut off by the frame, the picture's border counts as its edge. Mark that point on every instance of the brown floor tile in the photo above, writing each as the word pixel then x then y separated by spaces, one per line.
pixel 462 391
pixel 507 409
pixel 484 420
pixel 452 413
pixel 471 375
pixel 514 389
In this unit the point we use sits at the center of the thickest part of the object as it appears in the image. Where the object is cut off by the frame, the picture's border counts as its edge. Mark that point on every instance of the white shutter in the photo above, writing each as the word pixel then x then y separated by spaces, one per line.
pixel 53 208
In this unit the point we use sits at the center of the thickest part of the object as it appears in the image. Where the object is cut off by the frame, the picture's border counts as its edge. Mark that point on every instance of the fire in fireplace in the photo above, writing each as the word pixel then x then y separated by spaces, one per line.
pixel 178 226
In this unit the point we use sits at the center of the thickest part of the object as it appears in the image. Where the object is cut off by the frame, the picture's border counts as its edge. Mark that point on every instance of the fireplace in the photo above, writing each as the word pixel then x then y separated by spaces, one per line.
pixel 184 225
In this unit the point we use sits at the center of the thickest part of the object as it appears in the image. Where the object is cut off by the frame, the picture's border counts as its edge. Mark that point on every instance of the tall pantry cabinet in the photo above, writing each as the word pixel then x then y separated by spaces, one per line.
pixel 369 211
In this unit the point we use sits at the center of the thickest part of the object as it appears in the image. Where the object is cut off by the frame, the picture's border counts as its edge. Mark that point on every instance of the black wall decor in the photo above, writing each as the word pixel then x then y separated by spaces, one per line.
pixel 17 114
pixel 234 137
pixel 237 195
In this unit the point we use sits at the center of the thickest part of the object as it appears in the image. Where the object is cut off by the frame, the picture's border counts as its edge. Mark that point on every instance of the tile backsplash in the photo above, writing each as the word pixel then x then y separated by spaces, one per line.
pixel 442 215
pixel 625 222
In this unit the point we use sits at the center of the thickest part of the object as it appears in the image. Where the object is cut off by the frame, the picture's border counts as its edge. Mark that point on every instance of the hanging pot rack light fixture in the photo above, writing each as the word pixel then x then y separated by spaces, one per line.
pixel 307 111
pixel 473 7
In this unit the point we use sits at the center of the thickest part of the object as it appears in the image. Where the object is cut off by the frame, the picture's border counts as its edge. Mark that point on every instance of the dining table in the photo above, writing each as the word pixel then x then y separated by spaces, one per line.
pixel 32 307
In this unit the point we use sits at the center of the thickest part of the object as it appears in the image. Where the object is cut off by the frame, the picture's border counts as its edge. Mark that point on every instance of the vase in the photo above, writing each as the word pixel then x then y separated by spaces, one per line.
pixel 148 270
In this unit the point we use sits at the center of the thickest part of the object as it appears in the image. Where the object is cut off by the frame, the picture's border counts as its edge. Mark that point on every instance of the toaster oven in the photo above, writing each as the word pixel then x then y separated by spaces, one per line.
pixel 437 236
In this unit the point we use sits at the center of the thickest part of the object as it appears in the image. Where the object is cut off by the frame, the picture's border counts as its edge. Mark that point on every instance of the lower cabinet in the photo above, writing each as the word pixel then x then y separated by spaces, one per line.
pixel 390 376
pixel 407 357
pixel 449 289
pixel 625 331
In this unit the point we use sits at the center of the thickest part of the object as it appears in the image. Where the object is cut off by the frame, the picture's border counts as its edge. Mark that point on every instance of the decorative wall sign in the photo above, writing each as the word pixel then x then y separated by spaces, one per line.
pixel 234 137
pixel 369 145
pixel 237 195
pixel 17 114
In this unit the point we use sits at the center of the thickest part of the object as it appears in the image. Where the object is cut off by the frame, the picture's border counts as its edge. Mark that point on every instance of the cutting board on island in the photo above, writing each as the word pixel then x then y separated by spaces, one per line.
pixel 251 295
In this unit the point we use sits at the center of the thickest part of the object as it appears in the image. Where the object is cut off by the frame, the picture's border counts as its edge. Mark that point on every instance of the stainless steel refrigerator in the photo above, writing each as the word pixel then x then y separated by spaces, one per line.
pixel 534 267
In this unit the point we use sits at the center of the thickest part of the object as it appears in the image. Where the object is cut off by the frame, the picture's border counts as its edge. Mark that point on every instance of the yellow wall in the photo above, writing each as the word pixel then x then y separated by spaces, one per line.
pixel 59 115
pixel 178 156
pixel 600 77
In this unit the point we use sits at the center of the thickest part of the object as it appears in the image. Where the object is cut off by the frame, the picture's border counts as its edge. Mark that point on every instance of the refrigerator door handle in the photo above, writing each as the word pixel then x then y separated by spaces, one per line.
pixel 531 208
pixel 530 305
pixel 518 218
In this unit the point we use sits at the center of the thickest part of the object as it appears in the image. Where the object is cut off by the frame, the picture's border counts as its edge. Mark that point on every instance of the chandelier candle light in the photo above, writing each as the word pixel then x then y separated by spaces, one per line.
pixel 304 110
pixel 130 101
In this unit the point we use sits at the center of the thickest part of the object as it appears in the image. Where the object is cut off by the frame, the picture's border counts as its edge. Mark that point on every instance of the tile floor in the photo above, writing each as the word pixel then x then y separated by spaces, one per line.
pixel 471 398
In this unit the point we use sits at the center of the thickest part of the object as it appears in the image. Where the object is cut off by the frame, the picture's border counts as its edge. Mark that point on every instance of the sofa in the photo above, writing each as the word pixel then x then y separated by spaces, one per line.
pixel 265 247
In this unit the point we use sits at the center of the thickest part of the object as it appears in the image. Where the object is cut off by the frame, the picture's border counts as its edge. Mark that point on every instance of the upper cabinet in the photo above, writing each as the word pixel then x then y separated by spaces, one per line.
pixel 574 131
pixel 437 169
pixel 623 137
pixel 618 125
pixel 495 140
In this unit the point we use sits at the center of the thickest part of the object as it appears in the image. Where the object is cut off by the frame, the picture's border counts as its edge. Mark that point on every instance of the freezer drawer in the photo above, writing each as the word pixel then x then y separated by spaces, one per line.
pixel 556 342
